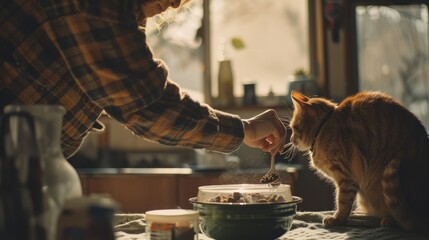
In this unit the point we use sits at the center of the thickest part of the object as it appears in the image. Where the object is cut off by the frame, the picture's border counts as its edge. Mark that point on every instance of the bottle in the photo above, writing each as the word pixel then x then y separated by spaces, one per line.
pixel 17 218
pixel 249 97
pixel 23 178
pixel 226 83
pixel 61 179
pixel 225 77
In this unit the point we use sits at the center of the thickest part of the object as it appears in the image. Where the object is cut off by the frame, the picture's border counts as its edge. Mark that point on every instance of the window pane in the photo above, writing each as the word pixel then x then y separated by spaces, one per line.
pixel 178 42
pixel 274 33
pixel 275 38
pixel 393 54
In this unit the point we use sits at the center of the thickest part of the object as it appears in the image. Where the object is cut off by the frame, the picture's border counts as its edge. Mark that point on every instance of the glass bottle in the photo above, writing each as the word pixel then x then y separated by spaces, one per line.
pixel 61 179
pixel 225 77
pixel 226 83
pixel 19 185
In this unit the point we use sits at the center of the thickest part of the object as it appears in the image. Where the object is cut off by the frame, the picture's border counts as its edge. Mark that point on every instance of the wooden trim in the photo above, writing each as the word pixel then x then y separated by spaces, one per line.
pixel 318 47
pixel 206 53
pixel 351 48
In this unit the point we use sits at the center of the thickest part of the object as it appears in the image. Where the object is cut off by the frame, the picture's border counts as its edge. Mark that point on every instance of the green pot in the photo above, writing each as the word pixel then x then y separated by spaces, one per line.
pixel 224 221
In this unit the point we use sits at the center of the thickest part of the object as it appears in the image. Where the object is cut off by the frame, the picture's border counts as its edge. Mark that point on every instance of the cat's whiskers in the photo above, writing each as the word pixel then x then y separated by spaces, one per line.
pixel 290 151
pixel 307 153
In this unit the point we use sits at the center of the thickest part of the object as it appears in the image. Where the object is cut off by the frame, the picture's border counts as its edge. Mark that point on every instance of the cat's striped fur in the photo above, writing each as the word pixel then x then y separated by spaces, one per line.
pixel 374 150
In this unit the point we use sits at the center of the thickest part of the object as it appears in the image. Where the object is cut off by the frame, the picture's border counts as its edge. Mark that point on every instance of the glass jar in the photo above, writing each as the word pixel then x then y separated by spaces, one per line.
pixel 169 224
pixel 87 217
pixel 21 180
pixel 61 179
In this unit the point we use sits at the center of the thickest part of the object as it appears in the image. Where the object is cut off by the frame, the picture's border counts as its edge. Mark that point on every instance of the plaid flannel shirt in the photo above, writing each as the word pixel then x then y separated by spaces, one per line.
pixel 89 56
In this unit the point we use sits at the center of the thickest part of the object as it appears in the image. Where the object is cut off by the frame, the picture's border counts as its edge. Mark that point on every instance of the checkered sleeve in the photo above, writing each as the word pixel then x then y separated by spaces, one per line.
pixel 176 119
pixel 114 66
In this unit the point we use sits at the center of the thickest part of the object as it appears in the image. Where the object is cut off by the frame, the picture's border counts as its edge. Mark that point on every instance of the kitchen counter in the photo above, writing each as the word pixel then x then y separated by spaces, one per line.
pixel 305 225
pixel 288 168
pixel 142 189
pixel 135 171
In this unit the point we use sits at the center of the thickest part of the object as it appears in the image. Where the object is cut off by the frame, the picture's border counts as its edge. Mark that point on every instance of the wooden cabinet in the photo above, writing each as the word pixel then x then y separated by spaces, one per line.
pixel 138 193
pixel 134 193
pixel 188 187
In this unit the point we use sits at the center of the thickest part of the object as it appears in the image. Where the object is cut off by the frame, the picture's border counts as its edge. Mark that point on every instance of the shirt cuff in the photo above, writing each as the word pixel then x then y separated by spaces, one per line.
pixel 230 134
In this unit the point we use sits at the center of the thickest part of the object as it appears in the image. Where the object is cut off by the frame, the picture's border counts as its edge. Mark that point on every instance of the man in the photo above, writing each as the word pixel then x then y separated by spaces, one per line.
pixel 90 57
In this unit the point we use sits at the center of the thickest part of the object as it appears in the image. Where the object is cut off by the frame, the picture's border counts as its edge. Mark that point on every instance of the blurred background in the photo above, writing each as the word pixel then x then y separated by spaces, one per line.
pixel 245 56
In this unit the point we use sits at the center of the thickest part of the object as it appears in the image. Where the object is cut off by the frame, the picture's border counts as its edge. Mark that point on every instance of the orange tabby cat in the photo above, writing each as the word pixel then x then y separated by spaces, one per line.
pixel 372 148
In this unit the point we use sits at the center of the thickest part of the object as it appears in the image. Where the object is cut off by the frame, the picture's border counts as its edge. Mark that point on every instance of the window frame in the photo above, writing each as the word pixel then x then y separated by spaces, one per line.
pixel 207 54
pixel 351 49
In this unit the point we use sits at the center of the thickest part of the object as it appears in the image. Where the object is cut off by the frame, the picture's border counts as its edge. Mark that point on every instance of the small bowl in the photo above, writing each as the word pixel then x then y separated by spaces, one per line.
pixel 252 219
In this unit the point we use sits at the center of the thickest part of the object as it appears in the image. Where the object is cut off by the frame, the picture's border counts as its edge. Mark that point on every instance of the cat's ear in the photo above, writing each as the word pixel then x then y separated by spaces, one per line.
pixel 300 99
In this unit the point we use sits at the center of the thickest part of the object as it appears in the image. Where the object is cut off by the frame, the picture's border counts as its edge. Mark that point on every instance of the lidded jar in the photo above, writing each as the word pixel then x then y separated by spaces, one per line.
pixel 87 217
pixel 169 224
pixel 61 179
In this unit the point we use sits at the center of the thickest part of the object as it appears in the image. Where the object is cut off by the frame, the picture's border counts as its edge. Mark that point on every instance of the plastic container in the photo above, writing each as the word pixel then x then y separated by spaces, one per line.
pixel 172 224
pixel 244 194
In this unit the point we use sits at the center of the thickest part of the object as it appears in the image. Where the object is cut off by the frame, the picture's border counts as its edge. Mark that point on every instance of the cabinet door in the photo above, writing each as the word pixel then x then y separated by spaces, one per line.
pixel 188 187
pixel 136 193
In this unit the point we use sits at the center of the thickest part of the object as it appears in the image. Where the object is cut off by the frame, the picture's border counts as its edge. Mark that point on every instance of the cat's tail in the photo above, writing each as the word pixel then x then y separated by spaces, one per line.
pixel 394 198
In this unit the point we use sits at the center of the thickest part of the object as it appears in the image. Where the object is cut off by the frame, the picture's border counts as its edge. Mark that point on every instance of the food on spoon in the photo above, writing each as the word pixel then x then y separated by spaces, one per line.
pixel 269 178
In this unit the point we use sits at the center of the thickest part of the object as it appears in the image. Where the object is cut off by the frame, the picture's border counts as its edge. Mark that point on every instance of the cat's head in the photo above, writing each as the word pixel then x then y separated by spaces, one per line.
pixel 308 115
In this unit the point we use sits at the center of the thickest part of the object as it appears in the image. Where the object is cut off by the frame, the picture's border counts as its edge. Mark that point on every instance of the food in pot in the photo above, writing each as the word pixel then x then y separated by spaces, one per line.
pixel 244 194
pixel 238 197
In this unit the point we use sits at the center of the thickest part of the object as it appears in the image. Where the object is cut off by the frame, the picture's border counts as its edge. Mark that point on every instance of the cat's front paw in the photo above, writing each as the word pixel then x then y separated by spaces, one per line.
pixel 332 221
pixel 389 222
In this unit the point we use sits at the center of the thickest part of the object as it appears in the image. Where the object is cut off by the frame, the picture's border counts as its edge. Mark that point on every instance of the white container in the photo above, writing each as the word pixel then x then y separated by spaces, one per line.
pixel 61 179
pixel 242 194
pixel 169 224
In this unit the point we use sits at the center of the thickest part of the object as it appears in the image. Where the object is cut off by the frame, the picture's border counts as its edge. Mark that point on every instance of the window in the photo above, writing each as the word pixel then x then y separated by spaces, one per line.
pixel 275 38
pixel 266 40
pixel 392 53
pixel 180 44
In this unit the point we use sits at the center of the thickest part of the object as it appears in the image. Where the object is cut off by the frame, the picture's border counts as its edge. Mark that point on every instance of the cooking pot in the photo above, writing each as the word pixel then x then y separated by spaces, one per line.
pixel 245 211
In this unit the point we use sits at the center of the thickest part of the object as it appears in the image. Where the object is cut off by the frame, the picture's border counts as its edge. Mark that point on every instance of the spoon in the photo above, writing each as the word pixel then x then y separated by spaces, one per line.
pixel 271 176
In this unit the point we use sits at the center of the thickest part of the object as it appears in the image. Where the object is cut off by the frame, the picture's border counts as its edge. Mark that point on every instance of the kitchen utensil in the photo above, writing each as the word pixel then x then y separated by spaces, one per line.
pixel 262 213
pixel 271 176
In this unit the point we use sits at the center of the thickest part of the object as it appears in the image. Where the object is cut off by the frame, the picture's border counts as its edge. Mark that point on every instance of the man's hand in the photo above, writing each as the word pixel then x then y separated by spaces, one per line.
pixel 265 131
